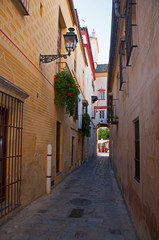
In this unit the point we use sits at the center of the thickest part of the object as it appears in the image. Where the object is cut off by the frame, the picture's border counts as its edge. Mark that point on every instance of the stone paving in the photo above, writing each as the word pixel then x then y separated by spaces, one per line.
pixel 87 205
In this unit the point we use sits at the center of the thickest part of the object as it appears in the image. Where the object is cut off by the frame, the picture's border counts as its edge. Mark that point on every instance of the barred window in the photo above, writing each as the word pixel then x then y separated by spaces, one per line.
pixel 129 24
pixel 11 125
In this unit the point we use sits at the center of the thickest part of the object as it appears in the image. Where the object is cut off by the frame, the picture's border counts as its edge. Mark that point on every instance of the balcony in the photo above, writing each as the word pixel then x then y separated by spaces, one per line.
pixel 24 6
pixel 111 111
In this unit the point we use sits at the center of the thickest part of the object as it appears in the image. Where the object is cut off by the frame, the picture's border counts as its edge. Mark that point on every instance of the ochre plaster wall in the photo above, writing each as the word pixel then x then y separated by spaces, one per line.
pixel 33 35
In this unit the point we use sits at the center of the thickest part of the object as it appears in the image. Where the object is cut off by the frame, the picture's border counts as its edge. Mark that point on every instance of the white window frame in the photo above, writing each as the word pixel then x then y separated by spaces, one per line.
pixel 102 95
pixel 101 114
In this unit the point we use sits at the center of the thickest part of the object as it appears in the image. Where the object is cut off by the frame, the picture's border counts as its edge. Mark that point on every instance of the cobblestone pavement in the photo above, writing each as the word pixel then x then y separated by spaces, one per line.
pixel 87 205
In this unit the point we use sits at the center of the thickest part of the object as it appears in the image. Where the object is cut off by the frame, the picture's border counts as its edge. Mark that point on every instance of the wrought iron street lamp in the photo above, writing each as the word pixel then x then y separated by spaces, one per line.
pixel 70 39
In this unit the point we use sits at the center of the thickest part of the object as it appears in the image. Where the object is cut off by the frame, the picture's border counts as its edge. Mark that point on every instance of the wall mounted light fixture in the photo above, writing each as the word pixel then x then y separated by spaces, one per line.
pixel 70 39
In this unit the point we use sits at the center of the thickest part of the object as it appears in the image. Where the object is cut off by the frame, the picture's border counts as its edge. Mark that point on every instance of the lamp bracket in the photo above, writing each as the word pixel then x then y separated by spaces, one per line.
pixel 50 58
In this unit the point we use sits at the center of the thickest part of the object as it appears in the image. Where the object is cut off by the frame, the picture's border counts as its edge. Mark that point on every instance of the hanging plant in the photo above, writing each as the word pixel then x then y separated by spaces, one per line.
pixel 66 91
pixel 86 123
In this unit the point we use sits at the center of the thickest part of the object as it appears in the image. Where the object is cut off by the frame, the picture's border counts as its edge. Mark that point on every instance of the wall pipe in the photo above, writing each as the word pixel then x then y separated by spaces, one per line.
pixel 48 174
pixel 117 13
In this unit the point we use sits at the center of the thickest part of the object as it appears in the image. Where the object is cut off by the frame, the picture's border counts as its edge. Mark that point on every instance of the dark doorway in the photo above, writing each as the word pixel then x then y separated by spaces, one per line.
pixel 58 140
pixel 72 155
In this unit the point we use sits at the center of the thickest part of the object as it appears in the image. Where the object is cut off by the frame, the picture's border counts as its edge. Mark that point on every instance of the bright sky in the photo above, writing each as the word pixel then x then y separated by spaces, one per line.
pixel 96 14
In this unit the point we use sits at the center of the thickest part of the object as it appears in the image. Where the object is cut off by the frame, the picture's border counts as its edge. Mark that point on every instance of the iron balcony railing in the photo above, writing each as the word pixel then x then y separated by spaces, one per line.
pixel 112 116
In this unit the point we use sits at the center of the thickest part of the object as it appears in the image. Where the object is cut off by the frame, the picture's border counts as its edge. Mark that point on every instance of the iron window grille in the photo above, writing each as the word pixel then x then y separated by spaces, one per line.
pixel 128 30
pixel 137 150
pixel 121 55
pixel 111 111
pixel 11 125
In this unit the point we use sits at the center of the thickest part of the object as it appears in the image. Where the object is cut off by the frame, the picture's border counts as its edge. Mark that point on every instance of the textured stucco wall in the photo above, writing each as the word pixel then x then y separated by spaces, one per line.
pixel 100 83
pixel 33 35
pixel 139 98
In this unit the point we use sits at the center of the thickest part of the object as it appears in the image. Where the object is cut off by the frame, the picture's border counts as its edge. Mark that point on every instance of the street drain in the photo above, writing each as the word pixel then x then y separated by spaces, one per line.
pixel 76 213
pixel 80 202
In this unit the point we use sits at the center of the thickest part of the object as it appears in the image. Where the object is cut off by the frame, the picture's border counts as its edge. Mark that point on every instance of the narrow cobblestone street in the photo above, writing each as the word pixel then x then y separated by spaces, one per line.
pixel 86 205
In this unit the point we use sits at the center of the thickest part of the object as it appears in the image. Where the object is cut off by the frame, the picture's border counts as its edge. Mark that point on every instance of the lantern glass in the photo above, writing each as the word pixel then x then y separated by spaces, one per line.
pixel 70 40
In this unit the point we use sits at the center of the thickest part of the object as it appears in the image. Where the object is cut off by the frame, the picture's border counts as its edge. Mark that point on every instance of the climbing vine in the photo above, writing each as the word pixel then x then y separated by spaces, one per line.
pixel 66 91
pixel 86 123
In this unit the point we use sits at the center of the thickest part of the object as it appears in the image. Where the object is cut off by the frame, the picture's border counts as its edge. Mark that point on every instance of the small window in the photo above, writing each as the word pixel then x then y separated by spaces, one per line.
pixel 121 59
pixel 129 25
pixel 24 6
pixel 101 114
pixel 102 95
pixel 137 150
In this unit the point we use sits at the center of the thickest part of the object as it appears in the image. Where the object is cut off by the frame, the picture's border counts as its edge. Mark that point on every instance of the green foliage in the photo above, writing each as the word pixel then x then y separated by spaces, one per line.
pixel 66 91
pixel 86 123
pixel 103 133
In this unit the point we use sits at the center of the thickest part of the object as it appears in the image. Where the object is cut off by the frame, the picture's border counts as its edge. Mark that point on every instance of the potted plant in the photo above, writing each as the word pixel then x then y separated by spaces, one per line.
pixel 66 91
pixel 116 118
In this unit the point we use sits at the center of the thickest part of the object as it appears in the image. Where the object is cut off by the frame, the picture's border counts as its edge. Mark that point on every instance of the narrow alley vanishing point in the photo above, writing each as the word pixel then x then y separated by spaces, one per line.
pixel 86 205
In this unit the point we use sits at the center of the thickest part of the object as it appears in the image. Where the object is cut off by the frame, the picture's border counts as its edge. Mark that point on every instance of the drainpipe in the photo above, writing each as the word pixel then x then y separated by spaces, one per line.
pixel 48 174
pixel 117 13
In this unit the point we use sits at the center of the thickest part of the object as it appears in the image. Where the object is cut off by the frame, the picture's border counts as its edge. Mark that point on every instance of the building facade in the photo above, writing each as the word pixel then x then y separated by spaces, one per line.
pixel 89 91
pixel 100 106
pixel 39 143
pixel 133 90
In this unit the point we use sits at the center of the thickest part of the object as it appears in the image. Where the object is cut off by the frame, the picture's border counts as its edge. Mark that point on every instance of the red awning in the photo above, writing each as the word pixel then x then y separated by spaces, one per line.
pixel 100 107
pixel 101 90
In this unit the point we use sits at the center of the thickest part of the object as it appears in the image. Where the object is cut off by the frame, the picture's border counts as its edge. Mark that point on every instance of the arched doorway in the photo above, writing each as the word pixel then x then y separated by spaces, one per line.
pixel 102 145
